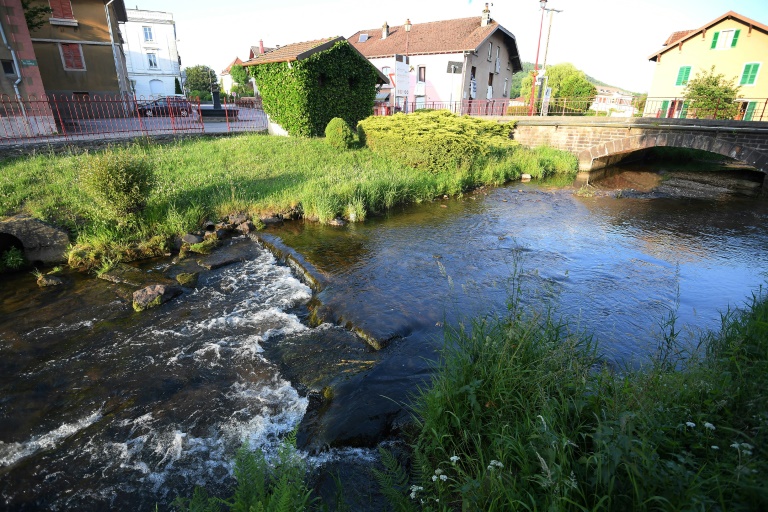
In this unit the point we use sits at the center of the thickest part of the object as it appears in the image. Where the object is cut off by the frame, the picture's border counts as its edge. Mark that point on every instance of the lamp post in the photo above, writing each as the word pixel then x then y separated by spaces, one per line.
pixel 407 28
pixel 546 52
pixel 536 66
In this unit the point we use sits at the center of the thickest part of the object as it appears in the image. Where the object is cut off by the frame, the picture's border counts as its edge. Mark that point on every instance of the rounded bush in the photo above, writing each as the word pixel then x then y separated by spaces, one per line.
pixel 119 180
pixel 338 134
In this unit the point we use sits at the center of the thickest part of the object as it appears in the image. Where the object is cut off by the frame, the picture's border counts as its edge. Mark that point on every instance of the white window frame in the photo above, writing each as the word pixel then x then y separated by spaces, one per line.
pixel 64 61
pixel 152 57
pixel 490 51
pixel 724 43
pixel 757 75
pixel 144 30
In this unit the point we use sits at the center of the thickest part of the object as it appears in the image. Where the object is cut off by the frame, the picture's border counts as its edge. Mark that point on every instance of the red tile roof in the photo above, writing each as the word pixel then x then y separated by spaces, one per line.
pixel 233 63
pixel 677 35
pixel 448 36
pixel 671 43
pixel 292 52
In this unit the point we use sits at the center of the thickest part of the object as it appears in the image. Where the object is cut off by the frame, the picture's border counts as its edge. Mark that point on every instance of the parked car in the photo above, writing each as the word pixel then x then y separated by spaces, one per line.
pixel 168 106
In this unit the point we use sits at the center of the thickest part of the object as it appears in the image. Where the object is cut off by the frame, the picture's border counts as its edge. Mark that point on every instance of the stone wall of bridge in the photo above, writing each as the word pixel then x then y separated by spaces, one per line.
pixel 600 142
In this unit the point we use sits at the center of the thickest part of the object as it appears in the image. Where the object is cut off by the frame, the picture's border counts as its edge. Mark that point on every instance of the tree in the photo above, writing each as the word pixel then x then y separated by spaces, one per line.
pixel 177 86
pixel 199 78
pixel 709 95
pixel 566 82
pixel 35 15
pixel 239 74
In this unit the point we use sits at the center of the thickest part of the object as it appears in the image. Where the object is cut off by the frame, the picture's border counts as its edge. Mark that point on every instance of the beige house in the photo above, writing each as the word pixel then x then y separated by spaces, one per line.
pixel 735 45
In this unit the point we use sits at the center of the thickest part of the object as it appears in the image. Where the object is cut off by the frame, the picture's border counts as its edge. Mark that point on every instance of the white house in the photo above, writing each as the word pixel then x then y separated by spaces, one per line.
pixel 614 102
pixel 151 54
pixel 442 64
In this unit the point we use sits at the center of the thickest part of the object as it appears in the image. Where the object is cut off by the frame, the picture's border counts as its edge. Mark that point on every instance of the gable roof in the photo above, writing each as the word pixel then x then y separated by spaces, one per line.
pixel 435 37
pixel 671 42
pixel 255 50
pixel 233 63
pixel 300 51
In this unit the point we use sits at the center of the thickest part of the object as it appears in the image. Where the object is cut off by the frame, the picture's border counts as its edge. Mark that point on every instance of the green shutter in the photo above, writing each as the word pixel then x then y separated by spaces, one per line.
pixel 714 39
pixel 750 111
pixel 735 38
pixel 682 75
pixel 750 74
pixel 664 108
pixel 687 74
pixel 684 110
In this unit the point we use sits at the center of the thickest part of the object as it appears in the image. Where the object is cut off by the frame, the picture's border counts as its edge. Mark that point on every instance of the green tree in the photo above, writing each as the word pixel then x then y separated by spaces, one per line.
pixel 711 96
pixel 199 78
pixel 35 16
pixel 239 74
pixel 177 86
pixel 566 82
pixel 517 78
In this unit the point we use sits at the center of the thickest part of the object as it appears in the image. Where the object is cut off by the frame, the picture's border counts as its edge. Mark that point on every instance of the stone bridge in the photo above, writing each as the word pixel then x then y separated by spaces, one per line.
pixel 40 242
pixel 599 142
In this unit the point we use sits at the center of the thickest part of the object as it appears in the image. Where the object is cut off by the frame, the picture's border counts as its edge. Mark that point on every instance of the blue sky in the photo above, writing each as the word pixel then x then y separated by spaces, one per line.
pixel 609 40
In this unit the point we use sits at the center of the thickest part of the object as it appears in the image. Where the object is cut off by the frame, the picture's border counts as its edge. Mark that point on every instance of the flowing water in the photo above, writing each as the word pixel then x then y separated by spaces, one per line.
pixel 103 408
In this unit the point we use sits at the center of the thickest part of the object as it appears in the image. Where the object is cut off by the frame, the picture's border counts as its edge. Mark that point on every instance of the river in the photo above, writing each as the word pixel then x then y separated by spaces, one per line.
pixel 105 408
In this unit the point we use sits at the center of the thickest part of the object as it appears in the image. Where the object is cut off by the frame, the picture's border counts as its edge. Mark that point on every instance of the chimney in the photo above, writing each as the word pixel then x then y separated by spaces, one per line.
pixel 261 47
pixel 384 30
pixel 486 19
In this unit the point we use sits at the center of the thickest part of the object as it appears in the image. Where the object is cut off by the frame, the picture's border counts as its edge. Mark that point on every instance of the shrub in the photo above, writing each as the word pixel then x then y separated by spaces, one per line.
pixel 12 259
pixel 338 134
pixel 434 140
pixel 120 181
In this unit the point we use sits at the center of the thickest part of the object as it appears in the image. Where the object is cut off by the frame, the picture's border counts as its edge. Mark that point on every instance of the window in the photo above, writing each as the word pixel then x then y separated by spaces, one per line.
pixel 749 75
pixel 748 110
pixel 72 56
pixel 725 39
pixel 152 60
pixel 8 67
pixel 148 34
pixel 422 74
pixel 490 51
pixel 506 86
pixel 386 70
pixel 683 74
pixel 61 9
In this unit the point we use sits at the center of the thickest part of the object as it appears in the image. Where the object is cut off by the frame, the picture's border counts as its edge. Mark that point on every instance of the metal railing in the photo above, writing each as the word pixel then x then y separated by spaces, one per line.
pixel 741 109
pixel 69 119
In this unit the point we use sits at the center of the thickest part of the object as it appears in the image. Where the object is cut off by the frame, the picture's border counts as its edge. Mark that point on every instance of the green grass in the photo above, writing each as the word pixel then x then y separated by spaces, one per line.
pixel 522 415
pixel 255 174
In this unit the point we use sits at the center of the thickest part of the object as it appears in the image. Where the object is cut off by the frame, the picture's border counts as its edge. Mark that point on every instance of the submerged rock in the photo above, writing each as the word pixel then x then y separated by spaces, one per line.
pixel 45 281
pixel 188 279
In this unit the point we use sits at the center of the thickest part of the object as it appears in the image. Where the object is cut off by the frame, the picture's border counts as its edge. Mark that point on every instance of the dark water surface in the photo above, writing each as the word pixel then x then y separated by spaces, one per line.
pixel 103 408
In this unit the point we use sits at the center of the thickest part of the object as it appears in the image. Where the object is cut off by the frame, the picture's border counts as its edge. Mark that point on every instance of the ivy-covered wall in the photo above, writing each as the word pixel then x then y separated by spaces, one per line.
pixel 304 96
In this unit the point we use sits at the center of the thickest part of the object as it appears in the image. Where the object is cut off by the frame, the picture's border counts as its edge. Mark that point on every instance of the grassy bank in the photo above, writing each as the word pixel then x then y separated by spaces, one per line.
pixel 201 179
pixel 522 416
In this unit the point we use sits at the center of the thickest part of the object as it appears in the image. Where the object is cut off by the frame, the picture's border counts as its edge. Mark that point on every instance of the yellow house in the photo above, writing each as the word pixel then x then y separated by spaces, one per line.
pixel 735 45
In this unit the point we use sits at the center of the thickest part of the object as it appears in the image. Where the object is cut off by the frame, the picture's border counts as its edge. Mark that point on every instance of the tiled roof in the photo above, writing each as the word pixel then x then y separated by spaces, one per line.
pixel 688 34
pixel 449 36
pixel 677 35
pixel 233 63
pixel 295 51
pixel 255 50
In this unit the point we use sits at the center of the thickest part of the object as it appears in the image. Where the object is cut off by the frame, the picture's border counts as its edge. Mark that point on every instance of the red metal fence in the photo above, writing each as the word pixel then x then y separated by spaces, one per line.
pixel 69 119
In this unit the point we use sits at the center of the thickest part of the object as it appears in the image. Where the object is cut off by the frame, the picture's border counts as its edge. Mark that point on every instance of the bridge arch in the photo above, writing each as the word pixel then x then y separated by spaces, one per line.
pixel 600 142
pixel 40 242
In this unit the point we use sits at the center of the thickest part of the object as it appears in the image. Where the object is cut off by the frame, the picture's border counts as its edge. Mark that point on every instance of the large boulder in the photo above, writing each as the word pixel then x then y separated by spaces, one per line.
pixel 154 295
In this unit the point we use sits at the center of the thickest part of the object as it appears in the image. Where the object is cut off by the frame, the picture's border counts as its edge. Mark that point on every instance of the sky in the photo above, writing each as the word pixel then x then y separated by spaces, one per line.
pixel 608 40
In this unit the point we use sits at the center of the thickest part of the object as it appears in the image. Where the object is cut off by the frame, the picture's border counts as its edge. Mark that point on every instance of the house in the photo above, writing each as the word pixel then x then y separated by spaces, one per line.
pixel 441 63
pixel 79 49
pixel 735 45
pixel 305 85
pixel 226 79
pixel 152 58
pixel 258 50
pixel 613 102
pixel 23 109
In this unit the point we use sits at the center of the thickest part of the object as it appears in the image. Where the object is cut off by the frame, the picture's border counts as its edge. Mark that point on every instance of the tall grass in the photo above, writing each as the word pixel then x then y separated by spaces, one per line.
pixel 521 415
pixel 254 174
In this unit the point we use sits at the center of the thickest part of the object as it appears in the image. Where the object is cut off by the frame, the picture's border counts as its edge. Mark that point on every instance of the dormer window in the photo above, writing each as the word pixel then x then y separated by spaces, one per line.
pixel 363 38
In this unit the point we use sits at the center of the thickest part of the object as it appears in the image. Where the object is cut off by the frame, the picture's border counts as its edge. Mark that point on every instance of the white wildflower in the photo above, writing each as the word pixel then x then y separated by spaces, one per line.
pixel 434 478
pixel 715 447
pixel 709 426
pixel 443 477
pixel 454 459
pixel 438 471
pixel 690 424
pixel 747 446
pixel 414 490
pixel 736 445
pixel 747 452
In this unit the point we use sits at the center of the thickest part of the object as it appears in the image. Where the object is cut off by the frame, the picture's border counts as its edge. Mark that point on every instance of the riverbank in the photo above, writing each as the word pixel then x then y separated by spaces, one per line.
pixel 267 178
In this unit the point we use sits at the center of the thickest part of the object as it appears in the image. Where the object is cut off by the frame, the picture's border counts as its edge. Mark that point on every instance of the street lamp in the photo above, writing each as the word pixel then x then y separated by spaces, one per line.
pixel 407 28
pixel 536 66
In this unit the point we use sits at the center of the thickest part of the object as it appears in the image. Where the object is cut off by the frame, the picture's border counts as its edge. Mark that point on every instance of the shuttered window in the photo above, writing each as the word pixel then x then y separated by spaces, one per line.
pixel 664 108
pixel 72 55
pixel 749 75
pixel 725 39
pixel 683 74
pixel 750 112
pixel 62 9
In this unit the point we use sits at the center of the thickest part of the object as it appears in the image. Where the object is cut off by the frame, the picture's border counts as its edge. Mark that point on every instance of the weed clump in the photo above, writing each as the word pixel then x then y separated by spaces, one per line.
pixel 339 135
pixel 119 180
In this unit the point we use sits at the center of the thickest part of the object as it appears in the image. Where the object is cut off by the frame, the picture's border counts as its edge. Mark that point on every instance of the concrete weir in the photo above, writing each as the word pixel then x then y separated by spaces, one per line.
pixel 40 242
